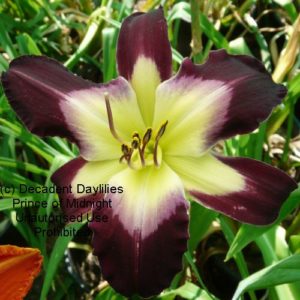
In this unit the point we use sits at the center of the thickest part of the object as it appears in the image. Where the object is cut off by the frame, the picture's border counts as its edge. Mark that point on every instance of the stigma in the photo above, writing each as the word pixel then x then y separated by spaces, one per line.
pixel 142 150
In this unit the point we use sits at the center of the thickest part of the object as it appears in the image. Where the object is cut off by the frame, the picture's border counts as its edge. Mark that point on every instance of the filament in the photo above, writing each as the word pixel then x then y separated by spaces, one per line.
pixel 110 118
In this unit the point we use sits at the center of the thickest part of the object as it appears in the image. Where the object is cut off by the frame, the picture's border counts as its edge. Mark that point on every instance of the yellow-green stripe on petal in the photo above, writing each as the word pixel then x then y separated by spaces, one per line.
pixel 145 79
pixel 144 35
pixel 86 181
pixel 206 174
pixel 247 190
pixel 144 57
pixel 86 115
pixel 191 107
pixel 141 248
pixel 146 202
pixel 92 174
pixel 227 95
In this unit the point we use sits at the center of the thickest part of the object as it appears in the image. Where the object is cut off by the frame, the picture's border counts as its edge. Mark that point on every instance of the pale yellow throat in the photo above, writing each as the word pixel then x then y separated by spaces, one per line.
pixel 143 150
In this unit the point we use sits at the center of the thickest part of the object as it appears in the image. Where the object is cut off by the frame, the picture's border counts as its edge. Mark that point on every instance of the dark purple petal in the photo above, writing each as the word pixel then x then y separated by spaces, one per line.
pixel 52 101
pixel 265 190
pixel 140 248
pixel 253 92
pixel 34 85
pixel 144 35
pixel 63 177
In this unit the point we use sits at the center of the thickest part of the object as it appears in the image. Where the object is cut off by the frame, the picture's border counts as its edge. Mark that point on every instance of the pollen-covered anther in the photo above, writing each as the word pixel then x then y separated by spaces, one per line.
pixel 136 135
pixel 135 143
pixel 143 152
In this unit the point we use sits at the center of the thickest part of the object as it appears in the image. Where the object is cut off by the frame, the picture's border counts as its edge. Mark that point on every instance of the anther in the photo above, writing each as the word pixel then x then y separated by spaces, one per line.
pixel 161 131
pixel 136 135
pixel 159 134
pixel 147 137
pixel 126 153
pixel 135 143
pixel 125 149
pixel 110 118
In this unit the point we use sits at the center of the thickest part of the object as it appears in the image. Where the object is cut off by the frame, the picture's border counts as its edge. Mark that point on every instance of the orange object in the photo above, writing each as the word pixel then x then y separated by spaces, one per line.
pixel 18 268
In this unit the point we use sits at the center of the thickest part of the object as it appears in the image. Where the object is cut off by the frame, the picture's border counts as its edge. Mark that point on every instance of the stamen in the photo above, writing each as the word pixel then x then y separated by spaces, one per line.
pixel 129 150
pixel 122 157
pixel 146 138
pixel 160 133
pixel 135 144
pixel 136 135
pixel 110 118
pixel 126 152
pixel 129 158
pixel 125 149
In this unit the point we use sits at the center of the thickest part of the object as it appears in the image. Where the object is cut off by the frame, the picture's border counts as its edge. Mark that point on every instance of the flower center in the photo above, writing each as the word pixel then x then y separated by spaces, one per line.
pixel 140 152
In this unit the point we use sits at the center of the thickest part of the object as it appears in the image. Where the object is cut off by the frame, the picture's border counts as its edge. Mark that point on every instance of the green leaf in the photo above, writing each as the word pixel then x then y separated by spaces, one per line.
pixel 6 42
pixel 8 203
pixel 27 45
pixel 33 141
pixel 212 33
pixel 190 261
pixel 3 64
pixel 295 243
pixel 182 11
pixel 177 56
pixel 109 50
pixel 273 247
pixel 187 291
pixel 261 41
pixel 248 233
pixel 294 86
pixel 93 29
pixel 109 294
pixel 289 8
pixel 285 271
pixel 28 167
pixel 200 221
pixel 57 254
pixel 283 111
pixel 239 46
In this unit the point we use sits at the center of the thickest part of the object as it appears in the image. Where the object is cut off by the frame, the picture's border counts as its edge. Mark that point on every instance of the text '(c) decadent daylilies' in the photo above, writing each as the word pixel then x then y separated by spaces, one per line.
pixel 151 134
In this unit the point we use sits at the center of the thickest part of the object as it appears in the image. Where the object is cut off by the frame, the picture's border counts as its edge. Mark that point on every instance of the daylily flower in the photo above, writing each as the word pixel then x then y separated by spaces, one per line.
pixel 152 134
pixel 18 268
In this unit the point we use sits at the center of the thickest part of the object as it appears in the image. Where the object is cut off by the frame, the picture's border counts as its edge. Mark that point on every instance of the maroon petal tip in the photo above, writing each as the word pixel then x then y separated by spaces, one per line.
pixel 144 34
